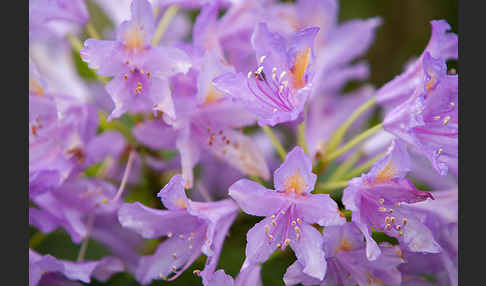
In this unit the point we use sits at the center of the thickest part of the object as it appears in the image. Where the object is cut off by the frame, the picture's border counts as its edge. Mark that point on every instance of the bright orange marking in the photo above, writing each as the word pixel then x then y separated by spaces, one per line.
pixel 345 245
pixel 386 174
pixel 302 60
pixel 212 95
pixel 430 84
pixel 134 38
pixel 35 87
pixel 295 183
pixel 180 202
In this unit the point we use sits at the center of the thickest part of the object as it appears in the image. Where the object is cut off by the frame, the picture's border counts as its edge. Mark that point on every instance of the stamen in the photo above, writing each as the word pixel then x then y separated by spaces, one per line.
pixel 286 242
pixel 404 222
pixel 270 237
pixel 249 74
pixel 281 75
pixel 262 58
pixel 387 219
pixel 382 201
pixel 169 235
pixel 125 76
pixel 181 236
pixel 393 219
pixel 174 255
pixel 279 245
pixel 437 117
pixel 398 227
pixel 387 226
pixel 293 223
pixel 382 209
pixel 259 70
pixel 267 228
pixel 299 221
pixel 400 233
pixel 274 223
pixel 452 104
pixel 446 120
pixel 174 268
pixel 272 216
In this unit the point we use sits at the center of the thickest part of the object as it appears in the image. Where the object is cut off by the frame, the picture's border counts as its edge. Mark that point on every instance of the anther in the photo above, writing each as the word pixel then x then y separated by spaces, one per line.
pixel 274 223
pixel 272 216
pixel 440 151
pixel 125 76
pixel 398 204
pixel 174 268
pixel 174 255
pixel 400 233
pixel 267 228
pixel 181 236
pixel 392 219
pixel 169 235
pixel 259 70
pixel 398 227
pixel 280 88
pixel 249 74
pixel 437 117
pixel 196 272
pixel 387 219
pixel 382 201
pixel 148 74
pixel 382 209
pixel 390 210
pixel 285 83
pixel 190 246
pixel 446 120
pixel 270 237
pixel 299 221
pixel 452 104
pixel 142 71
pixel 404 222
pixel 274 70
pixel 262 58
pixel 282 75
pixel 279 245
pixel 387 226
pixel 293 223
pixel 286 242
pixel 282 212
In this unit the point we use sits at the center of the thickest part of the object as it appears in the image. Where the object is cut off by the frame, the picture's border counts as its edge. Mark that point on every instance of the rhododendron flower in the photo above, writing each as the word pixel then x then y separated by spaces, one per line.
pixel 278 89
pixel 290 210
pixel 378 201
pixel 191 228
pixel 140 70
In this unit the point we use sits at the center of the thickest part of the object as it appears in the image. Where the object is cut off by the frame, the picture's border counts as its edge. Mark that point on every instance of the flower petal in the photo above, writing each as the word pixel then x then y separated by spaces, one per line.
pixel 255 199
pixel 309 252
pixel 295 174
pixel 153 223
pixel 320 209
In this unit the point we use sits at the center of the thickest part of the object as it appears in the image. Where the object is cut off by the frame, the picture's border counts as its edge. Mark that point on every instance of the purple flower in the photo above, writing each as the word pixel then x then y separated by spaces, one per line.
pixel 428 120
pixel 140 70
pixel 378 201
pixel 191 228
pixel 82 208
pixel 47 270
pixel 441 45
pixel 59 129
pixel 249 276
pixel 441 217
pixel 289 211
pixel 55 17
pixel 278 89
pixel 347 263
pixel 206 121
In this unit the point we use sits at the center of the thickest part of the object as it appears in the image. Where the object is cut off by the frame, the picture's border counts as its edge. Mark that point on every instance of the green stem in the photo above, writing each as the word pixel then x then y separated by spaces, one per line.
pixel 91 30
pixel 301 140
pixel 280 149
pixel 363 167
pixel 75 43
pixel 353 142
pixel 326 188
pixel 36 239
pixel 164 23
pixel 345 166
pixel 338 135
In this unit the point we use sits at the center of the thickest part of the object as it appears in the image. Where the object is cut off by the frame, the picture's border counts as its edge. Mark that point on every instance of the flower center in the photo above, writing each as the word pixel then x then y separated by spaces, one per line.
pixel 302 60
pixel 295 183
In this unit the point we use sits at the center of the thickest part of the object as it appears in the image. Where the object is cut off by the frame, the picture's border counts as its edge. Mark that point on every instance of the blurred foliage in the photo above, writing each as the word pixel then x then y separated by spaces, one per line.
pixel 402 36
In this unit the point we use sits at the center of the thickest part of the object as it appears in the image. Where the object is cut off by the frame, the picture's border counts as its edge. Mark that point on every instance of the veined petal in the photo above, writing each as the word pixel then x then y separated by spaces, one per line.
pixel 236 149
pixel 153 223
pixel 189 153
pixel 255 199
pixel 309 252
pixel 156 134
pixel 249 276
pixel 295 275
pixel 295 174
pixel 259 245
pixel 173 195
pixel 320 209
pixel 95 53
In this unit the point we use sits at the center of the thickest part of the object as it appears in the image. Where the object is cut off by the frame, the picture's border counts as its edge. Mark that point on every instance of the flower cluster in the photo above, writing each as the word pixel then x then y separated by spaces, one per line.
pixel 207 117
